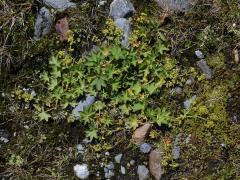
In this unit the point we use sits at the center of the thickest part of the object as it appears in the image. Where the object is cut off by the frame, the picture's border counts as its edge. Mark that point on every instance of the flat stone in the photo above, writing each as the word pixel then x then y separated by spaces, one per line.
pixel 43 23
pixel 141 133
pixel 202 64
pixel 176 5
pixel 155 163
pixel 176 148
pixel 143 172
pixel 83 104
pixel 59 5
pixel 121 9
pixel 124 25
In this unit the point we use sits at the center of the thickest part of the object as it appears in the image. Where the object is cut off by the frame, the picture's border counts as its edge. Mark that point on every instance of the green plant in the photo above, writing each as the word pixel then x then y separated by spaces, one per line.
pixel 15 160
pixel 123 79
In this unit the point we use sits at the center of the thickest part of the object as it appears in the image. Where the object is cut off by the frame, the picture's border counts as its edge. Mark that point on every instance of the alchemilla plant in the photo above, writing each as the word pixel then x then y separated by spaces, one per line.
pixel 124 81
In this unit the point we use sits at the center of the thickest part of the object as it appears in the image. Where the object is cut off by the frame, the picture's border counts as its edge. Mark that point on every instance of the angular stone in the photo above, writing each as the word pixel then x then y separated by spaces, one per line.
pixel 143 172
pixel 43 23
pixel 118 158
pixel 199 54
pixel 124 25
pixel 155 163
pixel 140 133
pixel 59 5
pixel 121 9
pixel 145 148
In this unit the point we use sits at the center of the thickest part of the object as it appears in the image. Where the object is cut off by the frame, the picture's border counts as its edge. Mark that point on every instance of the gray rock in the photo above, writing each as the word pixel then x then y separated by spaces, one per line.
pixel 80 148
pixel 190 81
pixel 118 158
pixel 86 141
pixel 4 140
pixel 83 104
pixel 59 5
pixel 132 162
pixel 109 174
pixel 199 54
pixel 108 170
pixel 102 3
pixel 145 148
pixel 187 103
pixel 4 137
pixel 124 25
pixel 176 5
pixel 43 23
pixel 143 172
pixel 123 170
pixel 81 171
pixel 176 148
pixel 202 64
pixel 110 165
pixel 188 139
pixel 121 9
pixel 177 90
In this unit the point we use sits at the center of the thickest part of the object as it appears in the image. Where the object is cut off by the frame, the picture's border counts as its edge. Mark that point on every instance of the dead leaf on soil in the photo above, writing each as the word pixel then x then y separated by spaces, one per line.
pixel 62 28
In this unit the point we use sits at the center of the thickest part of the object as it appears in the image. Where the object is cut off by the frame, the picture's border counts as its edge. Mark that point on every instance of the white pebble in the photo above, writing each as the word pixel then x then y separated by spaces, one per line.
pixel 81 171
pixel 199 54
pixel 123 170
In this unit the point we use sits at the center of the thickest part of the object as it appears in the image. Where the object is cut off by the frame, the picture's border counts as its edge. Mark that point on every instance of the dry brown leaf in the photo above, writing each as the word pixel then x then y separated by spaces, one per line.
pixel 62 28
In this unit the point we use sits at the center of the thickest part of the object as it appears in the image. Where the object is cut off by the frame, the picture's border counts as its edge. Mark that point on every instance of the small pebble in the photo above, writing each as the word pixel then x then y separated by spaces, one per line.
pixel 58 149
pixel 80 148
pixel 86 141
pixel 118 158
pixel 199 54
pixel 4 140
pixel 190 81
pixel 123 170
pixel 132 162
pixel 102 3
pixel 188 102
pixel 177 90
pixel 145 148
pixel 110 165
pixel 81 171
pixel 109 174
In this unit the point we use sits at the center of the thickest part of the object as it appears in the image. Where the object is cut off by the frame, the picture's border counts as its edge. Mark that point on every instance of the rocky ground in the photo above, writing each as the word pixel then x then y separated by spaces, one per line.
pixel 119 89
